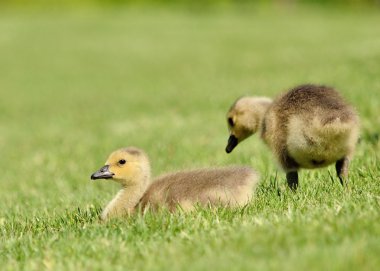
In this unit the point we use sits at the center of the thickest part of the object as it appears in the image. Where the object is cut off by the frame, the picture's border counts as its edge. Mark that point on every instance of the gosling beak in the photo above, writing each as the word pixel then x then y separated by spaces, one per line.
pixel 102 173
pixel 232 143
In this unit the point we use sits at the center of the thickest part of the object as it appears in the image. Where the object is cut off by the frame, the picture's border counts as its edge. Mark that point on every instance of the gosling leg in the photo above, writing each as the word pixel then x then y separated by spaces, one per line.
pixel 341 167
pixel 292 179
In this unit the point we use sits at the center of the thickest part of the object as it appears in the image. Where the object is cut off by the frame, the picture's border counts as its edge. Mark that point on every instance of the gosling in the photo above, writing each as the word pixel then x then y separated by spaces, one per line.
pixel 130 167
pixel 310 126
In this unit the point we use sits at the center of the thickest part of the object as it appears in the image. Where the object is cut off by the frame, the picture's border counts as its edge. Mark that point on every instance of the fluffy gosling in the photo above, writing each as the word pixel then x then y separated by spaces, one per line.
pixel 130 167
pixel 310 126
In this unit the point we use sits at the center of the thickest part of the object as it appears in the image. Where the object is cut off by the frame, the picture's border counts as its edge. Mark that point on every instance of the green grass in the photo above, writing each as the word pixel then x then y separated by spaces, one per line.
pixel 77 84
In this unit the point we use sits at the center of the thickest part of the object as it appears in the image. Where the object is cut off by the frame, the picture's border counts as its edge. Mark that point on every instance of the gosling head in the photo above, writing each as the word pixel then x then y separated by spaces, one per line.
pixel 127 166
pixel 244 119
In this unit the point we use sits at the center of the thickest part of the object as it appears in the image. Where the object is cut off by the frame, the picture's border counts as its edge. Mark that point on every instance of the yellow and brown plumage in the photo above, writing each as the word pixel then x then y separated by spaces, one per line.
pixel 310 126
pixel 227 186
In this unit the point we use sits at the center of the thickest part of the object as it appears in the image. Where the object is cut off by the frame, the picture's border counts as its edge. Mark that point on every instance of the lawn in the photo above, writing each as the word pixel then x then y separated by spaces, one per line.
pixel 78 83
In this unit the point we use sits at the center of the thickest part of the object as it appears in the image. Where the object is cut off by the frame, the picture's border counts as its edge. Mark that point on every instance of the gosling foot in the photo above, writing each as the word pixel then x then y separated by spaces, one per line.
pixel 292 179
pixel 341 167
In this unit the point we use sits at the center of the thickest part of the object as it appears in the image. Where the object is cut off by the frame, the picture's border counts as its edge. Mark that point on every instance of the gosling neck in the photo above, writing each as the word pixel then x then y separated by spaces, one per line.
pixel 255 108
pixel 262 118
pixel 125 201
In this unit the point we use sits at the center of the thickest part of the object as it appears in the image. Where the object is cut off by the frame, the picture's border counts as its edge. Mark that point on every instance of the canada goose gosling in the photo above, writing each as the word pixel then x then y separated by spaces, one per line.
pixel 310 126
pixel 229 186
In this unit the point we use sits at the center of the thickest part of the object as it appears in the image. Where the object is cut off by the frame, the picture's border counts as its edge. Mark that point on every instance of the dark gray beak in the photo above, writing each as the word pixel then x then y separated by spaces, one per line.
pixel 102 173
pixel 232 143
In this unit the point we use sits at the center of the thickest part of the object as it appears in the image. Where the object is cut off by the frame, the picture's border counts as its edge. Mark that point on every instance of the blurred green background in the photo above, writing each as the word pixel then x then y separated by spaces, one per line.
pixel 79 79
pixel 191 4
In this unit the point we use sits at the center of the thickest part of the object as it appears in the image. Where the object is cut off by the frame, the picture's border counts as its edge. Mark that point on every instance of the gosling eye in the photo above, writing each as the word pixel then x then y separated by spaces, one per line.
pixel 122 162
pixel 231 122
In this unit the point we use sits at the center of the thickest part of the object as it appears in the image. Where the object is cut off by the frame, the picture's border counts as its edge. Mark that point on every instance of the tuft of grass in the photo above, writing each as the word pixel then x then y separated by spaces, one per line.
pixel 76 85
